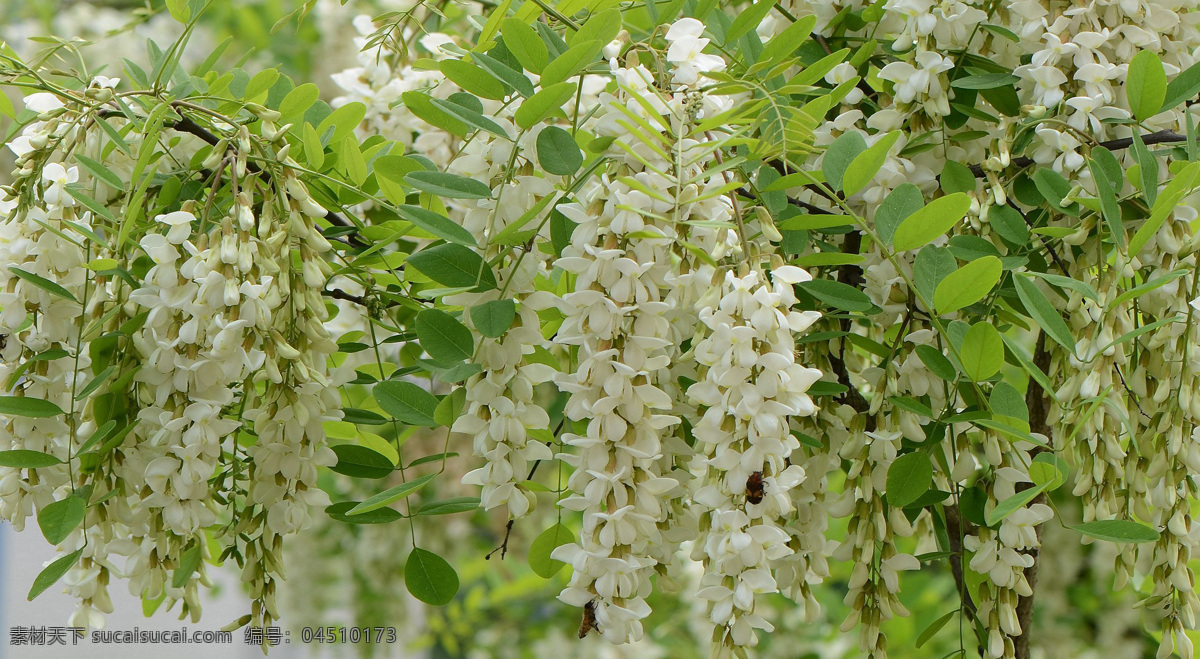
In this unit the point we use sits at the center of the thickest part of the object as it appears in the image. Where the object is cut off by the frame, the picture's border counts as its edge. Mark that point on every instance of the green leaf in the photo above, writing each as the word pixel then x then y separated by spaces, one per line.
pixel 1008 406
pixel 1117 530
pixel 839 155
pixel 407 402
pixel 454 266
pixel 448 410
pixel 102 173
pixel 430 578
pixel 52 573
pixel 1048 470
pixel 866 165
pixel 188 564
pixel 361 462
pixel 43 283
pixel 82 196
pixel 493 318
pixel 391 495
pixel 542 546
pixel 1108 203
pixel 985 81
pixel 935 219
pixel 934 627
pixel 1146 85
pixel 60 518
pixel 899 204
pixel 298 101
pixel 443 336
pixel 449 506
pixel 1183 87
pixel 932 265
pixel 837 294
pixel 1147 169
pixel 470 117
pixel 748 19
pixel 1011 504
pixel 570 62
pixel 967 285
pixel 1044 313
pixel 544 103
pixel 448 185
pixel 338 511
pixel 509 77
pixel 525 44
pixel 557 151
pixel 937 363
pixel 437 224
pixel 957 177
pixel 1180 186
pixel 602 26
pixel 180 11
pixel 436 457
pixel 982 352
pixel 1054 188
pixel 420 104
pixel 390 172
pixel 1066 282
pixel 343 121
pixel 908 477
pixel 35 408
pixel 25 459
pixel 98 436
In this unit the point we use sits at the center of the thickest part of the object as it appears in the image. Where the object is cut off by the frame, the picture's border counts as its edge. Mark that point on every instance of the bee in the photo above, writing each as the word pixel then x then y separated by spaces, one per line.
pixel 755 488
pixel 589 619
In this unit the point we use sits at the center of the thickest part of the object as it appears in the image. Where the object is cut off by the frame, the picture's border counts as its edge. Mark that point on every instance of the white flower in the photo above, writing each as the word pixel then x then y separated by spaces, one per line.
pixel 56 177
pixel 686 52
pixel 180 223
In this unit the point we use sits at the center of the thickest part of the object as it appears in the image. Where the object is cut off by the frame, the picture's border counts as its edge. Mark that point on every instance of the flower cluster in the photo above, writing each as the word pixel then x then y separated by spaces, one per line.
pixel 752 386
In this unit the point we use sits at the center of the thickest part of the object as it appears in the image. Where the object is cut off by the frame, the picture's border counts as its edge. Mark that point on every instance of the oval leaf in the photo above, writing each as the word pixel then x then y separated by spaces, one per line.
pixel 546 542
pixel 982 352
pixel 430 578
pixel 60 518
pixel 407 402
pixel 967 285
pixel 935 219
pixel 908 478
pixel 361 462
pixel 443 337
pixel 1117 530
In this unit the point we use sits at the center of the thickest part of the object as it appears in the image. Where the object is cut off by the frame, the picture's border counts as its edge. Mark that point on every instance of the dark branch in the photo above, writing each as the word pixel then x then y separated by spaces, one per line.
pixel 1161 137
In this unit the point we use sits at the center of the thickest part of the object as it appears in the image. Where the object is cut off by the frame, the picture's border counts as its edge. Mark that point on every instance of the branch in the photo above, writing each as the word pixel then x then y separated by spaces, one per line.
pixel 1161 137
pixel 187 125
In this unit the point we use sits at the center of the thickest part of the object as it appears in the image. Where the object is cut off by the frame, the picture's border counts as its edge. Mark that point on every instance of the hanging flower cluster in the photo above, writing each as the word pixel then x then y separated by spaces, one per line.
pixel 152 366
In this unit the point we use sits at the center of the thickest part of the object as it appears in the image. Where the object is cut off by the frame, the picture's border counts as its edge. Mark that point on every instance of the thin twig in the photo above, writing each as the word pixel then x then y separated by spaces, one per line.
pixel 187 125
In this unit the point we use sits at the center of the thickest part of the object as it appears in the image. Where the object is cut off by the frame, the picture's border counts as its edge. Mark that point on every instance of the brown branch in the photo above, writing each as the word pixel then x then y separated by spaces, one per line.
pixel 1161 137
pixel 1039 408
